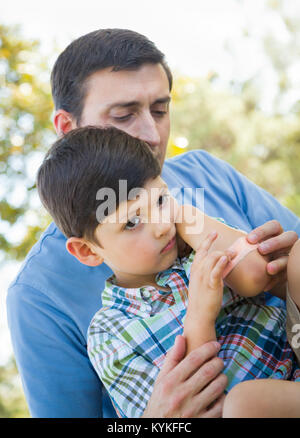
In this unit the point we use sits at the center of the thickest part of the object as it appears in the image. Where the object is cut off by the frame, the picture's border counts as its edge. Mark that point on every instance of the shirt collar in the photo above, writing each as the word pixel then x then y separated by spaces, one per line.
pixel 117 294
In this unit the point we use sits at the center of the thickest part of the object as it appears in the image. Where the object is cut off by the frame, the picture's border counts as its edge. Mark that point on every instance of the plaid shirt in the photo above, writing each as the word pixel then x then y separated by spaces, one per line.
pixel 129 337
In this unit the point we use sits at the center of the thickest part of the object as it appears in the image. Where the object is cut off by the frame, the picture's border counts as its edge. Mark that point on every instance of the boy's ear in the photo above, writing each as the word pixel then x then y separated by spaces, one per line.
pixel 63 122
pixel 80 249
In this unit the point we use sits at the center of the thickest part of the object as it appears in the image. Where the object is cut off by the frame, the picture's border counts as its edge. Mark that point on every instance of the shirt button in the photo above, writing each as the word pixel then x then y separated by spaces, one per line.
pixel 257 353
pixel 146 293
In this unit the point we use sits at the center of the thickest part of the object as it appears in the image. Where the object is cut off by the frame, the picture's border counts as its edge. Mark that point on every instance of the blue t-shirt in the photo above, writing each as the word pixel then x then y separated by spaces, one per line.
pixel 52 300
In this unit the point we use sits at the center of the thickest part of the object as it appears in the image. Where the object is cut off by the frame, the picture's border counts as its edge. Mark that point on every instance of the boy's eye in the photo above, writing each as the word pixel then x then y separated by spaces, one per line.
pixel 133 223
pixel 162 199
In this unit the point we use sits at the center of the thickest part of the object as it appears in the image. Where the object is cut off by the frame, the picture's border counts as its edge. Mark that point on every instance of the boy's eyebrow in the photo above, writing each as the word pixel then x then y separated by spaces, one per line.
pixel 126 104
pixel 134 210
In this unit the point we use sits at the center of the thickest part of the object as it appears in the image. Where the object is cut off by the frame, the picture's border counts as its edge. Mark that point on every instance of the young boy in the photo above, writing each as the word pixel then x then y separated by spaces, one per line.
pixel 153 294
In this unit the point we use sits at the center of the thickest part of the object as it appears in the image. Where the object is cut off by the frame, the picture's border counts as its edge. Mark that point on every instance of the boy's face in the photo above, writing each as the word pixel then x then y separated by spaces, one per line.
pixel 135 101
pixel 138 240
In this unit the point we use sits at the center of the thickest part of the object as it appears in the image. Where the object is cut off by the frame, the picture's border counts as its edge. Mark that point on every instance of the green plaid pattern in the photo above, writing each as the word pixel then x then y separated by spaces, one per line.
pixel 129 337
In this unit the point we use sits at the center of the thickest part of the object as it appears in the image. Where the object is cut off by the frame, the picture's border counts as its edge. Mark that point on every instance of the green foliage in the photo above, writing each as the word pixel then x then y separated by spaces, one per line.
pixel 25 131
pixel 263 147
pixel 228 123
pixel 12 404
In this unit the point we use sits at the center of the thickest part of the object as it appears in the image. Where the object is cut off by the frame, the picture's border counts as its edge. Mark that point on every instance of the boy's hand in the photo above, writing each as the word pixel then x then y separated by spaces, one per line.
pixel 206 280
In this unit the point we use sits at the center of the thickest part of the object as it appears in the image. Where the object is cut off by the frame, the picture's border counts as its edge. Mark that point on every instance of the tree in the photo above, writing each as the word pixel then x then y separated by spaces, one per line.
pixel 264 147
pixel 12 404
pixel 25 133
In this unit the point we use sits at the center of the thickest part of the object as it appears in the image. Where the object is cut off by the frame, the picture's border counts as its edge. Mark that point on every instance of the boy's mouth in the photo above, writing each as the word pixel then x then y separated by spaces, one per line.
pixel 169 245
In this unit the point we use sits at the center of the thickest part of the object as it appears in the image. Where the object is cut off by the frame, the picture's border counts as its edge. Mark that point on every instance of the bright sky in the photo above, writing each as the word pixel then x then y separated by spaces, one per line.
pixel 192 33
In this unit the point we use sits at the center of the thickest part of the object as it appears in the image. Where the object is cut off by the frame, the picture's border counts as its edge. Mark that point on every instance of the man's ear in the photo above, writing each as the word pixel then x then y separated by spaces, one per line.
pixel 81 249
pixel 63 122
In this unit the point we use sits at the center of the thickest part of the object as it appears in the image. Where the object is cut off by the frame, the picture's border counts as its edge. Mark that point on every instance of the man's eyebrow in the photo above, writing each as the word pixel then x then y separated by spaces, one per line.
pixel 127 104
pixel 166 99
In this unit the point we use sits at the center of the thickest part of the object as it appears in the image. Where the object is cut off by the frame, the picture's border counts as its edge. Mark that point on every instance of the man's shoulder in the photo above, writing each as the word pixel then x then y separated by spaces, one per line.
pixel 43 253
pixel 50 270
pixel 55 283
pixel 197 163
pixel 195 157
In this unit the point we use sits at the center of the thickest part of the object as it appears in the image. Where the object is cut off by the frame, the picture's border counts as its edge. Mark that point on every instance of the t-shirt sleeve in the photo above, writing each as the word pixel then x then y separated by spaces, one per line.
pixel 258 205
pixel 51 358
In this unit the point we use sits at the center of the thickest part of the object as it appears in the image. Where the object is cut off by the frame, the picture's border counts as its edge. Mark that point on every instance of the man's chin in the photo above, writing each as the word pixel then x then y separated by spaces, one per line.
pixel 161 158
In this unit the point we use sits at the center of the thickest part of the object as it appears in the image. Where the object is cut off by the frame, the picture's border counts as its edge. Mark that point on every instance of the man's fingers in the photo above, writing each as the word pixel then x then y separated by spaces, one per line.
pixel 211 393
pixel 277 266
pixel 205 376
pixel 283 242
pixel 174 356
pixel 271 228
pixel 216 410
pixel 193 361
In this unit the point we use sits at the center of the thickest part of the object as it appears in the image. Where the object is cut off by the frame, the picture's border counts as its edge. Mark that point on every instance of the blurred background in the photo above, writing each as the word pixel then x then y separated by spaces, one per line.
pixel 236 94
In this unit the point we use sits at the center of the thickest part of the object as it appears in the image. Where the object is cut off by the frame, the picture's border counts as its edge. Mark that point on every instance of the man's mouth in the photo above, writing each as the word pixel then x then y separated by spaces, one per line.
pixel 169 245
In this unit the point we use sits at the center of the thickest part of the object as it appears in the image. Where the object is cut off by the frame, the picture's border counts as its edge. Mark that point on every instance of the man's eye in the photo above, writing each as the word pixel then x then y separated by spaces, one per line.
pixel 123 118
pixel 133 223
pixel 159 113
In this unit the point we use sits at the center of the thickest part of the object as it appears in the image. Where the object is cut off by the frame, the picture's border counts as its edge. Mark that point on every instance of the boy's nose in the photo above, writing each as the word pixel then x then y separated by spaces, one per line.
pixel 162 229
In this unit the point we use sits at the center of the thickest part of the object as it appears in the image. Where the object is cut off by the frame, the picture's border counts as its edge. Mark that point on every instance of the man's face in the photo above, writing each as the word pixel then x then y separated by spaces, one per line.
pixel 135 101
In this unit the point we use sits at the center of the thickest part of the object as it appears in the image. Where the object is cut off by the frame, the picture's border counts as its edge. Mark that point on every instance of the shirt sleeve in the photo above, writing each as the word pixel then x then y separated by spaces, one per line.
pixel 258 205
pixel 128 377
pixel 57 376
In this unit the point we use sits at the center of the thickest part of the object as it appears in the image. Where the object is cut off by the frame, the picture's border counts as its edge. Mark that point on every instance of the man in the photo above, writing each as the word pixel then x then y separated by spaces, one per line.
pixel 118 77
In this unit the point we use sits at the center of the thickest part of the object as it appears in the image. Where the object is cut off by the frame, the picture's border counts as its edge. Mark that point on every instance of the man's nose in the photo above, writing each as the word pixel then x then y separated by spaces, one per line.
pixel 147 130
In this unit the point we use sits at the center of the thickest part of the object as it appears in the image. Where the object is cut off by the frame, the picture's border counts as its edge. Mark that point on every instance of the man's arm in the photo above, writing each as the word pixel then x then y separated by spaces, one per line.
pixel 57 376
pixel 232 196
pixel 274 227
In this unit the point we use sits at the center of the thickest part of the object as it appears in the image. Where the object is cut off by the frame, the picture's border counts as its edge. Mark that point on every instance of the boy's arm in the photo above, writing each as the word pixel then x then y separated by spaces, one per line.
pixel 205 293
pixel 249 277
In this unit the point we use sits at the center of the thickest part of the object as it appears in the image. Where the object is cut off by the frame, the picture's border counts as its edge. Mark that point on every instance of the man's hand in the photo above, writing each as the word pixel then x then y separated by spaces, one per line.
pixel 191 386
pixel 276 243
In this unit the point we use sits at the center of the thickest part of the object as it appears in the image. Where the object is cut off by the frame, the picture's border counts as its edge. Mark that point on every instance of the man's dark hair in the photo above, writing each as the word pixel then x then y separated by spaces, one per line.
pixel 84 161
pixel 120 49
